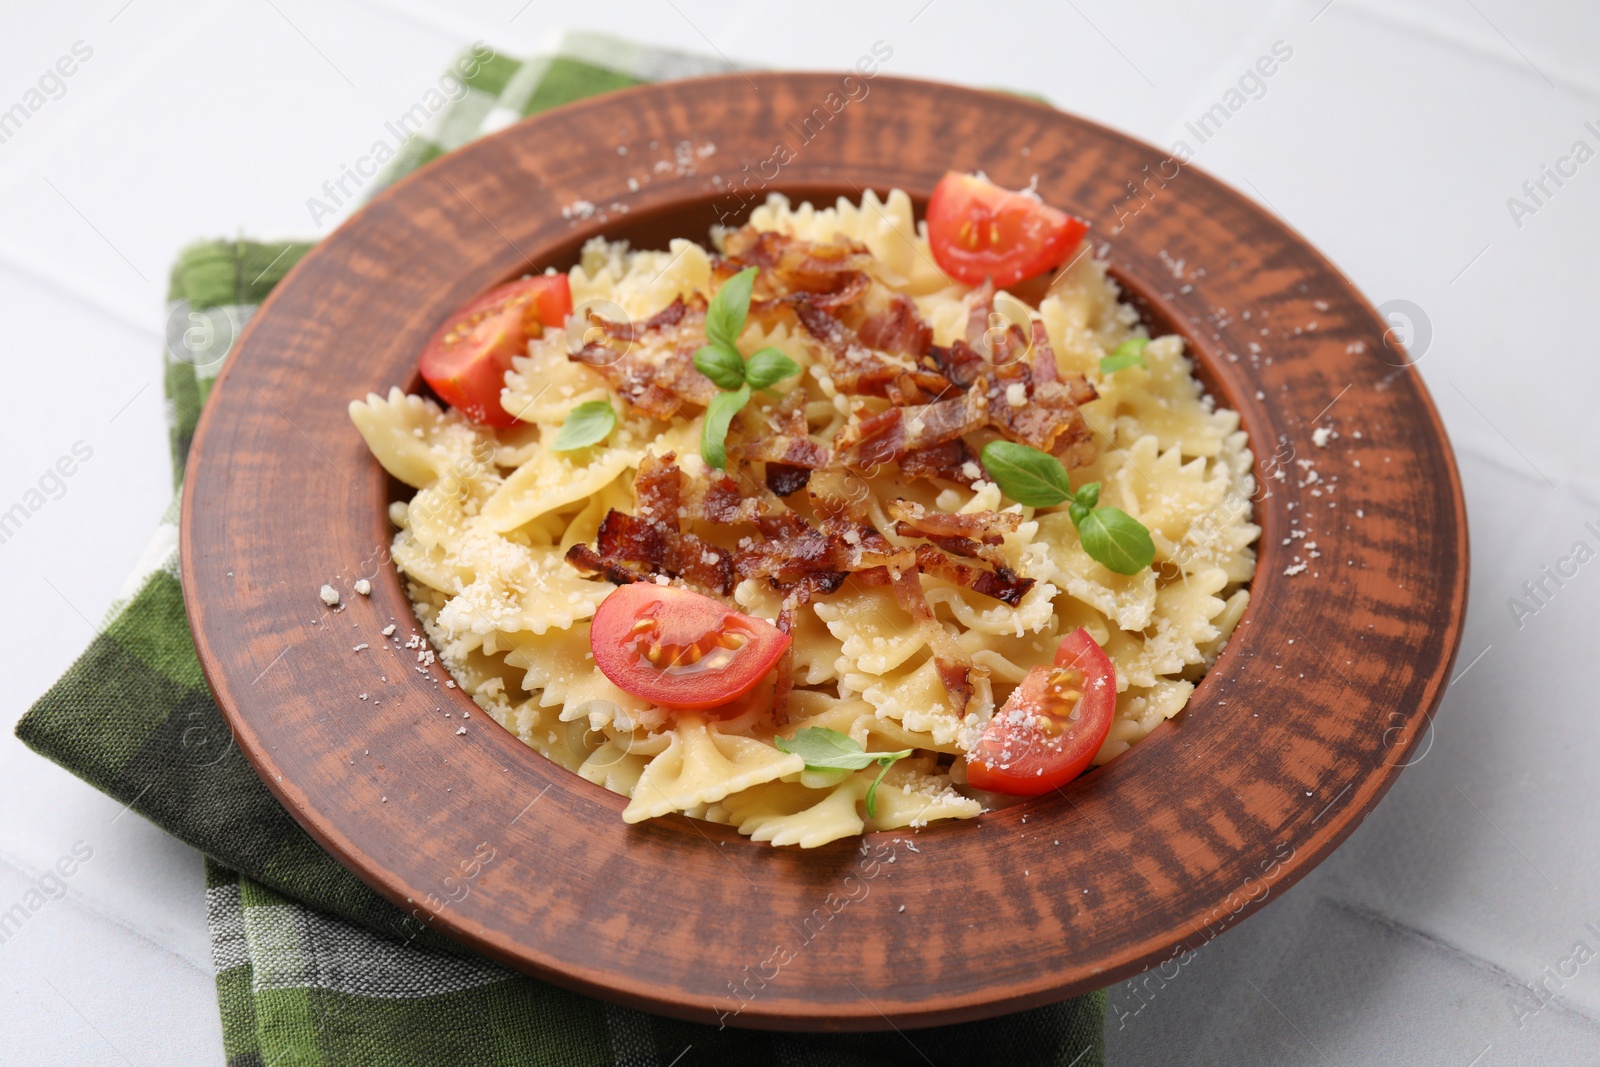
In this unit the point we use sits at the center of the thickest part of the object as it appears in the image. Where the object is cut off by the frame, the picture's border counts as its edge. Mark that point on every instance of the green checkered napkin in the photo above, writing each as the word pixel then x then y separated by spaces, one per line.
pixel 313 967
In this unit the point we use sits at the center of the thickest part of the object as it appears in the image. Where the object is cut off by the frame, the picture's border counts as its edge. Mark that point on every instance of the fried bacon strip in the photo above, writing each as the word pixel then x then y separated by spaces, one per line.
pixel 832 274
pixel 1045 368
pixel 590 562
pixel 814 561
pixel 665 550
pixel 650 365
pixel 950 660
pixel 960 363
pixel 630 547
pixel 795 597
pixel 783 438
pixel 977 535
pixel 671 315
pixel 1048 418
pixel 889 434
pixel 893 325
pixel 784 479
pixel 1026 400
pixel 986 526
pixel 804 554
pixel 855 368
pixel 945 463
pixel 1029 400
pixel 1002 583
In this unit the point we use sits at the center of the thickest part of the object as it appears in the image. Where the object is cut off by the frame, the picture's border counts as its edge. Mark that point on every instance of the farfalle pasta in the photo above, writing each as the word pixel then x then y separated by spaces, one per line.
pixel 937 596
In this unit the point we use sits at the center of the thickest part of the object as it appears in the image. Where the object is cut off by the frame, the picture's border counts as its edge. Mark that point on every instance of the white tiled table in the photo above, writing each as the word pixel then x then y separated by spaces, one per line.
pixel 1392 138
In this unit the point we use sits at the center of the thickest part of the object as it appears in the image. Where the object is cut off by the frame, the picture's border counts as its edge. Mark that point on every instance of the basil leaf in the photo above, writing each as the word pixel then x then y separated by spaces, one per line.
pixel 1129 353
pixel 724 366
pixel 726 314
pixel 767 367
pixel 872 791
pixel 1025 474
pixel 714 434
pixel 1088 495
pixel 825 750
pixel 586 424
pixel 1116 539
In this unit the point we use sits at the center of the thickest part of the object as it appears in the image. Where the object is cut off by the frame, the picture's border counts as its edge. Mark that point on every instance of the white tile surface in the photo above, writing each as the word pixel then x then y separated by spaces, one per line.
pixel 1392 139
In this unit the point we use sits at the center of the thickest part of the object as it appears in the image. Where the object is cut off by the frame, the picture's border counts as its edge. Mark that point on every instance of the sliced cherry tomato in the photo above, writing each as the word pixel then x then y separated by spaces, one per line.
pixel 978 230
pixel 466 359
pixel 681 649
pixel 1052 725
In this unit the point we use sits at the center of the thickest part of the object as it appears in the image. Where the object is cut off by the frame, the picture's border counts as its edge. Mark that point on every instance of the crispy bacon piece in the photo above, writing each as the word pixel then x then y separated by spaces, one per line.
pixel 783 438
pixel 946 462
pixel 1045 368
pixel 630 547
pixel 904 392
pixel 780 524
pixel 846 544
pixel 846 550
pixel 956 546
pixel 590 562
pixel 658 489
pixel 855 368
pixel 980 310
pixel 670 315
pixel 651 364
pixel 717 500
pixel 663 549
pixel 982 525
pixel 961 363
pixel 833 273
pixel 997 354
pixel 848 293
pixel 1048 419
pixel 950 660
pixel 783 479
pixel 888 434
pixel 1002 583
pixel 1021 390
pixel 873 576
pixel 895 326
pixel 795 597
pixel 977 535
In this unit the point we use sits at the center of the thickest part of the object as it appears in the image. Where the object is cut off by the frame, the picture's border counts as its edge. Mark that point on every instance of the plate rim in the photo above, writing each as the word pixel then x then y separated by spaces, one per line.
pixel 1135 957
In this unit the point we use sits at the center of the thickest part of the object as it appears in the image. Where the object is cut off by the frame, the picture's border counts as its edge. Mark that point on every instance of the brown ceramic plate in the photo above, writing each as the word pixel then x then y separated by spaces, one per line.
pixel 1293 736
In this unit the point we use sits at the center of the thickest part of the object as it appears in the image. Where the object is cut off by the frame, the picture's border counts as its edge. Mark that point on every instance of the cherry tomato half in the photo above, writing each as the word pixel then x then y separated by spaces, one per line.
pixel 680 649
pixel 978 230
pixel 1052 725
pixel 466 359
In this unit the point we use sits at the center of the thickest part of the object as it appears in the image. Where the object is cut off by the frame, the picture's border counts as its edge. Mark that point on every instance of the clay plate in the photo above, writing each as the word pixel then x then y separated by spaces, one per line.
pixel 1292 737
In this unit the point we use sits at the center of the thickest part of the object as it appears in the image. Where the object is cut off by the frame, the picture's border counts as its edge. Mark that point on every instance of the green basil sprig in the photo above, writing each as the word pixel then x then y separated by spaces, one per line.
pixel 1110 535
pixel 586 424
pixel 729 371
pixel 829 750
pixel 1129 353
pixel 719 415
